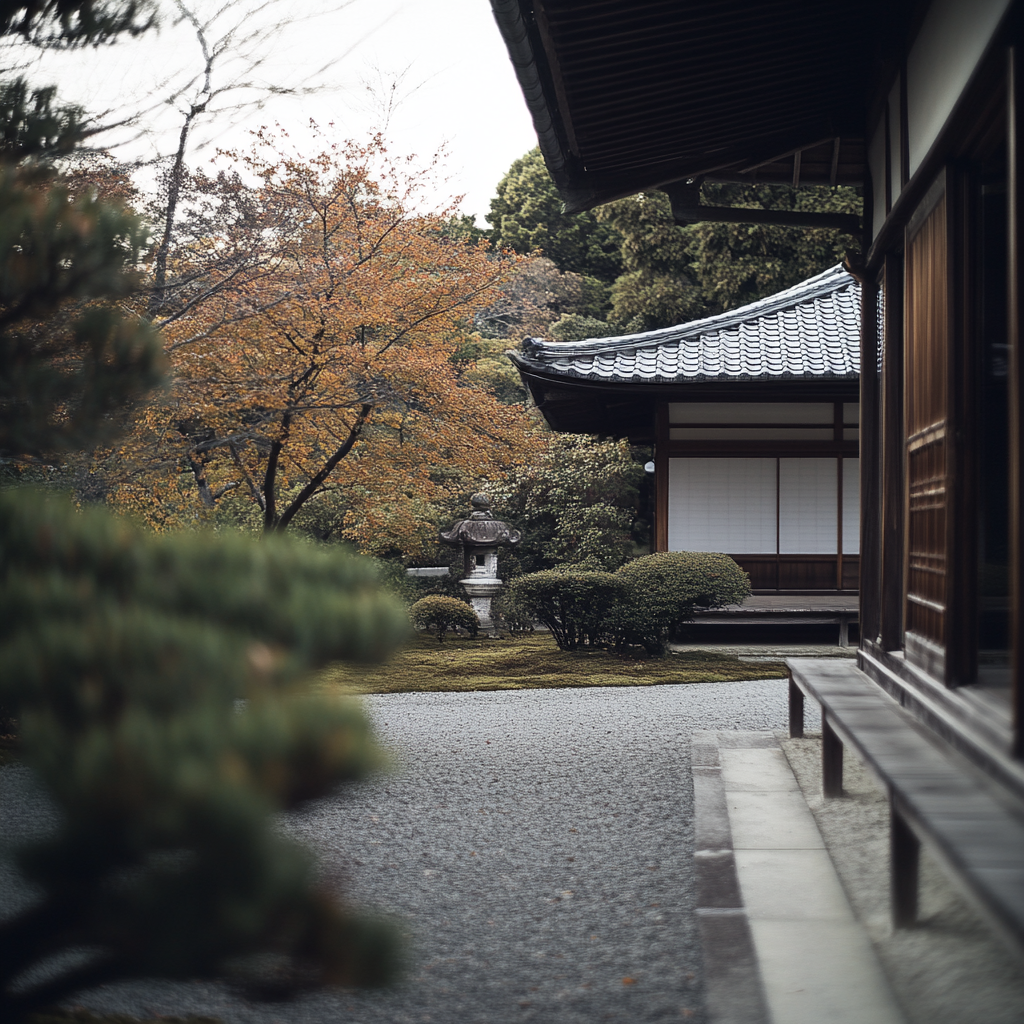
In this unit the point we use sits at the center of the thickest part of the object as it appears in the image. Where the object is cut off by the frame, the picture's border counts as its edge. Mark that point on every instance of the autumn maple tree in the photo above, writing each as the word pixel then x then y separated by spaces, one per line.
pixel 321 365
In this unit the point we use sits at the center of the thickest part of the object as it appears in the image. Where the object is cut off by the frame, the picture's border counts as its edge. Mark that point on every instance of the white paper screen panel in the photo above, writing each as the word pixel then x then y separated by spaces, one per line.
pixel 722 505
pixel 808 506
pixel 750 412
pixel 851 506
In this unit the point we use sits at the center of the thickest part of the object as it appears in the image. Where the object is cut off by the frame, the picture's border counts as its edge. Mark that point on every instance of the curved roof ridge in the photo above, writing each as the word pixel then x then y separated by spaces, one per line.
pixel 821 284
pixel 811 330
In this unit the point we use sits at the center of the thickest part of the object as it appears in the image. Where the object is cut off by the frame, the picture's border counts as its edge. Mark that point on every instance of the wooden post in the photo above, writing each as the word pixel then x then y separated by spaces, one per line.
pixel 1015 90
pixel 905 855
pixel 796 710
pixel 891 442
pixel 870 468
pixel 661 477
pixel 831 760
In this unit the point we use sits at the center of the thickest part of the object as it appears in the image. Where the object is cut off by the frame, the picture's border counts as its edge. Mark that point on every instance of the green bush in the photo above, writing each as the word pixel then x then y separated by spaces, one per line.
pixel 576 605
pixel 511 613
pixel 444 614
pixel 664 590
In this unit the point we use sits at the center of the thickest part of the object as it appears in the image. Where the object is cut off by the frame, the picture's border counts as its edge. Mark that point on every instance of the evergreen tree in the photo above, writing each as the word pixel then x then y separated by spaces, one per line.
pixel 660 274
pixel 657 286
pixel 70 355
pixel 579 503
pixel 157 686
pixel 155 682
pixel 739 263
pixel 526 216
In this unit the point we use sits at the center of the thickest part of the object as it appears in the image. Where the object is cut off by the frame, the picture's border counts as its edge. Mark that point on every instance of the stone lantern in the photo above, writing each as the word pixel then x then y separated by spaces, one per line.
pixel 479 537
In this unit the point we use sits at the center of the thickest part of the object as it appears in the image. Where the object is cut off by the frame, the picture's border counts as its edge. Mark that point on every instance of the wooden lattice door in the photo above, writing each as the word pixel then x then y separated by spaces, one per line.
pixel 926 375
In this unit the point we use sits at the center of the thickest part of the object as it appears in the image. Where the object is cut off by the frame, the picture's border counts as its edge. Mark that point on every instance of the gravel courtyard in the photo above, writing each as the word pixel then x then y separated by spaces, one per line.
pixel 537 846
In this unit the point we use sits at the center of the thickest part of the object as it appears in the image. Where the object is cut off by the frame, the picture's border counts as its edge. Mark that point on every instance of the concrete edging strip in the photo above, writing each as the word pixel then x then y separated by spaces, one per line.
pixel 733 990
pixel 762 865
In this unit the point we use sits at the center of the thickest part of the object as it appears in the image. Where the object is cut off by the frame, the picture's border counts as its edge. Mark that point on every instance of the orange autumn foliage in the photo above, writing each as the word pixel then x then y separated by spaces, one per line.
pixel 320 371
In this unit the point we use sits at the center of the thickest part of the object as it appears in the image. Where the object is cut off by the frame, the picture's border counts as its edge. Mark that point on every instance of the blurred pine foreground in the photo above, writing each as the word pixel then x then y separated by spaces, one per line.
pixel 157 686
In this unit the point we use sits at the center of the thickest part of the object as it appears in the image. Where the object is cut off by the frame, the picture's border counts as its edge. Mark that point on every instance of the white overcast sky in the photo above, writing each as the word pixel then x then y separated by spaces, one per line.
pixel 455 85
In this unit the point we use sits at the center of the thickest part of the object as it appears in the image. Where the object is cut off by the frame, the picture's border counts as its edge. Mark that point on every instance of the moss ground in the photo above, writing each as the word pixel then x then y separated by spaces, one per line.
pixel 463 665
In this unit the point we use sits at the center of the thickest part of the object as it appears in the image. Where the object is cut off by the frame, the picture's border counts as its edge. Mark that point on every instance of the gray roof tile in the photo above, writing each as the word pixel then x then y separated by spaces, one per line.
pixel 809 330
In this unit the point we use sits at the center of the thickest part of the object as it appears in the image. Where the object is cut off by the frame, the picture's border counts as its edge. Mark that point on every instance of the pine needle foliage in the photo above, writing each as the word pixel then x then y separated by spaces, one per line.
pixel 157 683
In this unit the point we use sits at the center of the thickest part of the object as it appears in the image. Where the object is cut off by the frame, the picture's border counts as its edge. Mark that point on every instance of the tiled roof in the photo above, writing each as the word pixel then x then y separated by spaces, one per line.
pixel 811 330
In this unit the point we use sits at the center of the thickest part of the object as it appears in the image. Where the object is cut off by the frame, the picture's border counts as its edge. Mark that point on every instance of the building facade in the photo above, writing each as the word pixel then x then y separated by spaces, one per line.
pixel 920 104
pixel 754 419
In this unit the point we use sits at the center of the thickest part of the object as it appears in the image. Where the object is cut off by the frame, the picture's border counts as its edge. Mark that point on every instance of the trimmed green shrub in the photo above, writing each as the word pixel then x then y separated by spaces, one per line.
pixel 511 614
pixel 576 605
pixel 444 614
pixel 666 588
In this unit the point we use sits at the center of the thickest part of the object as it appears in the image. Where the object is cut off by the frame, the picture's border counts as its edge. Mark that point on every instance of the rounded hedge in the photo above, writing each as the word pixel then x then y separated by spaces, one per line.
pixel 444 614
pixel 576 605
pixel 511 614
pixel 667 587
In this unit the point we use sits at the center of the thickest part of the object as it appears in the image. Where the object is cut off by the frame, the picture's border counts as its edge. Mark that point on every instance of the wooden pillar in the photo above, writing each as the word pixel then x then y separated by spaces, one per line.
pixel 1015 140
pixel 870 466
pixel 890 625
pixel 661 477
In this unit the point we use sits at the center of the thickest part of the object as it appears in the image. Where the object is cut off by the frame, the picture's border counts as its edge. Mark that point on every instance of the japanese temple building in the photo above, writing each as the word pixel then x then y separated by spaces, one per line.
pixel 753 415
pixel 919 104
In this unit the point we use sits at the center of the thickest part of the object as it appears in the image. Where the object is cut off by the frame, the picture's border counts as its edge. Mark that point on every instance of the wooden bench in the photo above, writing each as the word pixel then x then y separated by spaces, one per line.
pixel 934 796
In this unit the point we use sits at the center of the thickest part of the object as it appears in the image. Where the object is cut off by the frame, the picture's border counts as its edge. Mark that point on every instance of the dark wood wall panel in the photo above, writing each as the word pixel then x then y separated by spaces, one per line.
pixel 762 570
pixel 799 572
pixel 926 565
pixel 851 572
pixel 926 351
pixel 807 572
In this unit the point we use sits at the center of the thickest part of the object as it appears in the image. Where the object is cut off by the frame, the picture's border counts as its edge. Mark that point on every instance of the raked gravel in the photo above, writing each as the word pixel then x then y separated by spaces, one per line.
pixel 536 845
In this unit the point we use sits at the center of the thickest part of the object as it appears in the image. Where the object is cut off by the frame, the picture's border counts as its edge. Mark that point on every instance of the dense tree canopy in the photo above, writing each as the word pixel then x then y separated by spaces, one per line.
pixel 526 216
pixel 739 263
pixel 663 274
pixel 657 286
pixel 674 274
pixel 577 502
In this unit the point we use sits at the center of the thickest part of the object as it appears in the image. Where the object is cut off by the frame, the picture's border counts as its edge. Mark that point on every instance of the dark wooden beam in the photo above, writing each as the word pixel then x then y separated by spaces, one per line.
pixel 687 209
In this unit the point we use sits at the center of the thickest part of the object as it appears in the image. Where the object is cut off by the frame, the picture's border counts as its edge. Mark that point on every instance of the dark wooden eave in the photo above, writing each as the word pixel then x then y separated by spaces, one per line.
pixel 631 95
pixel 625 409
